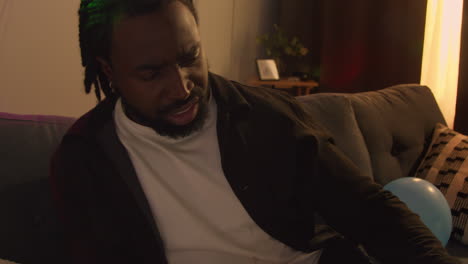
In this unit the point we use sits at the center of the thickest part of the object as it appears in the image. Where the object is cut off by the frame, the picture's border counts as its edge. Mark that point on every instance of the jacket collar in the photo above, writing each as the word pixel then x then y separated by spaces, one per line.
pixel 228 98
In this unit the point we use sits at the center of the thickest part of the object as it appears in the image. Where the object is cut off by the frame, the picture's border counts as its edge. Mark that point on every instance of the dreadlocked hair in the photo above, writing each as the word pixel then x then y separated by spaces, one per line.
pixel 96 21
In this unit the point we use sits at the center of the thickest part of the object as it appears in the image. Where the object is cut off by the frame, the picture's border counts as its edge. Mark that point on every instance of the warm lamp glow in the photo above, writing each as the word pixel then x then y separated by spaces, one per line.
pixel 441 55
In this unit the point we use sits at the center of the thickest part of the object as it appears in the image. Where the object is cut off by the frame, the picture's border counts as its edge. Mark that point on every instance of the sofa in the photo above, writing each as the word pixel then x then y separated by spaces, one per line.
pixel 385 133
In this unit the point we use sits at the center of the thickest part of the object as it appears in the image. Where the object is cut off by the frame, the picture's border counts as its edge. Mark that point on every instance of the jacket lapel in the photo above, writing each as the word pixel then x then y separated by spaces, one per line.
pixel 108 139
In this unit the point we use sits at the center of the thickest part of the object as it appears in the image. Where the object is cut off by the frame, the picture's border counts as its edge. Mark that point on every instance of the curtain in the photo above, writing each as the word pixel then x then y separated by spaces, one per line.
pixel 441 53
pixel 461 115
pixel 371 44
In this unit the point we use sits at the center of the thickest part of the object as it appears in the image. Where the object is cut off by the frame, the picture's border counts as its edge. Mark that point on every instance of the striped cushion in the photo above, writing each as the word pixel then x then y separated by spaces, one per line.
pixel 446 166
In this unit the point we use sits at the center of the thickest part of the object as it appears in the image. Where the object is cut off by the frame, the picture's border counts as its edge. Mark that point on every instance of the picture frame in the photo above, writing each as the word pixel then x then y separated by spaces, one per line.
pixel 267 70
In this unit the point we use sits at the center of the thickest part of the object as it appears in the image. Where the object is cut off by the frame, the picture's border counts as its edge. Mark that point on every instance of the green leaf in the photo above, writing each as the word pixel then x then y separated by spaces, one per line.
pixel 294 41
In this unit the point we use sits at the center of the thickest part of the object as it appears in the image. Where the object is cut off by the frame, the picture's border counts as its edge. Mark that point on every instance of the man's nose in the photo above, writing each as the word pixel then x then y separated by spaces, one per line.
pixel 181 84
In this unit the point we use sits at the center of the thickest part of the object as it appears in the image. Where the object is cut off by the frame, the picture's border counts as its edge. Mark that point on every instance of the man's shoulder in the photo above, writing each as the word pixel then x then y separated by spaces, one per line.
pixel 260 98
pixel 79 144
pixel 89 124
pixel 268 101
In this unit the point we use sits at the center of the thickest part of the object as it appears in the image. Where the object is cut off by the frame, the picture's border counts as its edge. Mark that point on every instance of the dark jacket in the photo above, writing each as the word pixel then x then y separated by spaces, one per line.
pixel 280 165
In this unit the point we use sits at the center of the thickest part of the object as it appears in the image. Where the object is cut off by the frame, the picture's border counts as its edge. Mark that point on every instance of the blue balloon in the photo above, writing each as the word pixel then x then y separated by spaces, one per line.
pixel 424 199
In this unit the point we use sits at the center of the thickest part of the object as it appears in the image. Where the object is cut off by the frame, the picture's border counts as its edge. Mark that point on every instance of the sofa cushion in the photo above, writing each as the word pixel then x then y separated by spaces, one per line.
pixel 29 230
pixel 27 143
pixel 397 124
pixel 446 166
pixel 335 113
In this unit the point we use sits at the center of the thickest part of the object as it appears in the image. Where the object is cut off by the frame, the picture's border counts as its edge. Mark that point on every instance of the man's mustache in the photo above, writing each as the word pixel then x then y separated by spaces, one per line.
pixel 195 92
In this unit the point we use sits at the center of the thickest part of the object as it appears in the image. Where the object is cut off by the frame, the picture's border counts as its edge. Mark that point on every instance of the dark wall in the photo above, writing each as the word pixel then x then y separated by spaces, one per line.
pixel 461 116
pixel 302 18
pixel 360 45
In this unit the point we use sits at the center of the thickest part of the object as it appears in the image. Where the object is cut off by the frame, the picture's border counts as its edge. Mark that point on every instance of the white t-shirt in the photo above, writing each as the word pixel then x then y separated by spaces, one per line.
pixel 200 218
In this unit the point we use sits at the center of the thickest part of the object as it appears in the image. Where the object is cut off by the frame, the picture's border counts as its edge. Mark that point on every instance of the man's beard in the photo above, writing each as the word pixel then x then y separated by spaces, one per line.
pixel 166 128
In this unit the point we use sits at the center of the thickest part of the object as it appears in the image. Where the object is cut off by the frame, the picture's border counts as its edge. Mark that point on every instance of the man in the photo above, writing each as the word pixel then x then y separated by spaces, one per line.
pixel 178 165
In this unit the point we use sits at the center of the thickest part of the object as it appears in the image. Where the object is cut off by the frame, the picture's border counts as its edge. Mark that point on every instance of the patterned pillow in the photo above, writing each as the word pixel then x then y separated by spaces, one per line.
pixel 446 166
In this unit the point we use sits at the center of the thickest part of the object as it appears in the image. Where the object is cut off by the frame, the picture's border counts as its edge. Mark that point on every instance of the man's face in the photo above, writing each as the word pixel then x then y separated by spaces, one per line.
pixel 159 68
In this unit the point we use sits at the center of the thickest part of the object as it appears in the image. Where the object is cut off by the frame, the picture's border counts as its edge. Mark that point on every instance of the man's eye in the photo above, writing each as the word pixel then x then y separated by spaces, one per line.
pixel 150 75
pixel 190 58
pixel 189 61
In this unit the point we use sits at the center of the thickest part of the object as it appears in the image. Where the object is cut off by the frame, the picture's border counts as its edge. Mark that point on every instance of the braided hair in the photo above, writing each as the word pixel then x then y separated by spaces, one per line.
pixel 96 21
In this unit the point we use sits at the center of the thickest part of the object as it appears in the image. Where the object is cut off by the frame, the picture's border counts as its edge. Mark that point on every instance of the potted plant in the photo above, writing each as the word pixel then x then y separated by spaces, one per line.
pixel 280 47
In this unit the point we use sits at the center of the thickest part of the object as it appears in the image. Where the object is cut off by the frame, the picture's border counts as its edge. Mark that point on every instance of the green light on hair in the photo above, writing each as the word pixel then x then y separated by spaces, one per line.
pixel 96 4
pixel 103 12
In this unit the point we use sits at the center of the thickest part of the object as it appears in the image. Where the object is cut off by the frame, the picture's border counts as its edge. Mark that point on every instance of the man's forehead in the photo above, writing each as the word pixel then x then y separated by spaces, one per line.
pixel 149 32
pixel 174 18
pixel 151 63
pixel 172 13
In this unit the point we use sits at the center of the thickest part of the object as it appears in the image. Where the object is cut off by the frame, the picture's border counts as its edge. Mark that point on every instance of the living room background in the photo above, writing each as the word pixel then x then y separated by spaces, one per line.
pixel 40 64
pixel 357 46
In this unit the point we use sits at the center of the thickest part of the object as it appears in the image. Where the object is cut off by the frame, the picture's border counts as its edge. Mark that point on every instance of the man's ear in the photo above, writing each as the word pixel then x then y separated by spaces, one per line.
pixel 105 67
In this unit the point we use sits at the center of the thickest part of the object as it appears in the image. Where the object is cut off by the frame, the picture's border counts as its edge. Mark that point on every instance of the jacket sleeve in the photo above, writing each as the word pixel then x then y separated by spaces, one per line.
pixel 362 211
